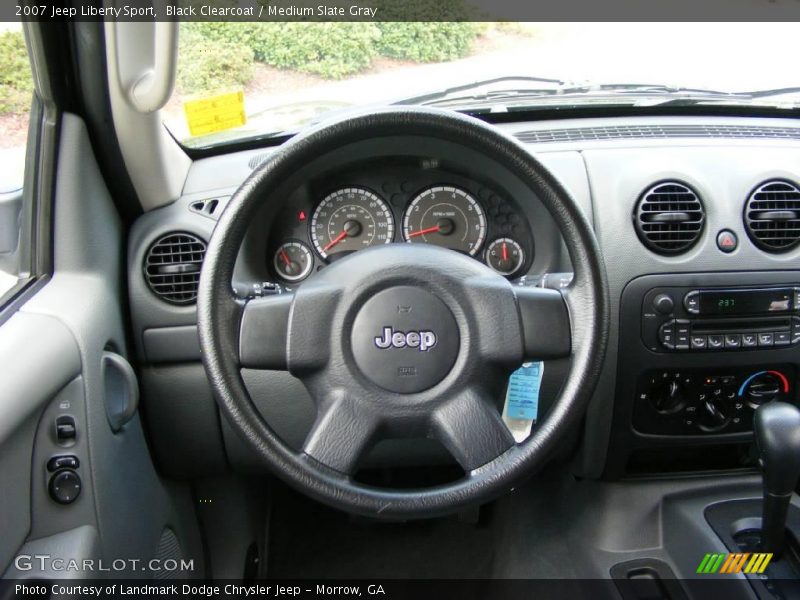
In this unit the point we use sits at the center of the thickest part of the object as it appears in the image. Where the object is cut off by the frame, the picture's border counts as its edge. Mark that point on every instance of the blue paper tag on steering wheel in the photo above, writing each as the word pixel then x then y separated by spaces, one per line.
pixel 522 397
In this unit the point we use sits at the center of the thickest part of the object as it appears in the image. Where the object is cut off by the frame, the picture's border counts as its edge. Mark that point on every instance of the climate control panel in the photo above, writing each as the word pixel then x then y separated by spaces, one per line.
pixel 703 401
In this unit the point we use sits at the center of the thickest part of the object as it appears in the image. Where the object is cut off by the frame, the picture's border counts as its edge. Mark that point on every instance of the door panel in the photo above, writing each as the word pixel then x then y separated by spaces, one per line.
pixel 38 357
pixel 54 350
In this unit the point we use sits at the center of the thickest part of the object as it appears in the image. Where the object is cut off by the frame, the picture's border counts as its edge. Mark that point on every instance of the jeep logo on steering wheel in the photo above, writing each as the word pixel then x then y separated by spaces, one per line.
pixel 422 340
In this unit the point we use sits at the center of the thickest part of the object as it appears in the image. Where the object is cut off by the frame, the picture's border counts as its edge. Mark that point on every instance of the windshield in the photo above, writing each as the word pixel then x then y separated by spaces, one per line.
pixel 244 80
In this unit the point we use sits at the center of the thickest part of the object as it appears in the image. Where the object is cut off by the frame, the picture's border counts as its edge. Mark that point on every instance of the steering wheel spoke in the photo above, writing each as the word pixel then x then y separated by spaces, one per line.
pixel 340 434
pixel 263 332
pixel 546 328
pixel 470 427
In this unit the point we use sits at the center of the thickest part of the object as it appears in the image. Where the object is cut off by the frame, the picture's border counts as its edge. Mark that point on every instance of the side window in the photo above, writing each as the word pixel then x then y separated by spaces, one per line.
pixel 16 95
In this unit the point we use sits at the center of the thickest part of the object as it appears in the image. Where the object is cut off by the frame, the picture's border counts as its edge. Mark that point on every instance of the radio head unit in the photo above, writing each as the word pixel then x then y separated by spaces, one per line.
pixel 725 318
pixel 760 301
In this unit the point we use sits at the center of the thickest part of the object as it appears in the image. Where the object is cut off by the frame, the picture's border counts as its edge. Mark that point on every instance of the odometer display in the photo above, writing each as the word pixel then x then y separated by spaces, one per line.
pixel 350 219
pixel 446 216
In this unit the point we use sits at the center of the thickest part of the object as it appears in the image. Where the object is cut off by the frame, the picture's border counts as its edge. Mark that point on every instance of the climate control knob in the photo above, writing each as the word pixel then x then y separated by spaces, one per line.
pixel 668 397
pixel 764 387
pixel 714 413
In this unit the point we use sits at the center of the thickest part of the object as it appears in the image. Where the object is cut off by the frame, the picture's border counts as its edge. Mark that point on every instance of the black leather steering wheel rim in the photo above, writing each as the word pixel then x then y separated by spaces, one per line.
pixel 220 314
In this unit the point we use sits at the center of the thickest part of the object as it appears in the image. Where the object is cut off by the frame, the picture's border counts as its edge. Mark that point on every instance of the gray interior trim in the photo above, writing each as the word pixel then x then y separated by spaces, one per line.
pixel 155 161
pixel 79 544
pixel 131 505
pixel 38 356
pixel 171 344
pixel 16 453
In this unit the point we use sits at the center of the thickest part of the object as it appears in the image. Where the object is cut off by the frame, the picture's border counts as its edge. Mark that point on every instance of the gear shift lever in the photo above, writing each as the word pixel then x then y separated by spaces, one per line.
pixel 777 431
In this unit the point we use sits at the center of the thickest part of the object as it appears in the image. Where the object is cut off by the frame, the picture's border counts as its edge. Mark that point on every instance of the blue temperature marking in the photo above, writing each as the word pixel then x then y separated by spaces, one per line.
pixel 748 380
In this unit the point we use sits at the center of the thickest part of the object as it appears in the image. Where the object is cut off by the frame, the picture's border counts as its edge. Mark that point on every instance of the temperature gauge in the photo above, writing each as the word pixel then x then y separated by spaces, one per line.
pixel 505 256
pixel 293 261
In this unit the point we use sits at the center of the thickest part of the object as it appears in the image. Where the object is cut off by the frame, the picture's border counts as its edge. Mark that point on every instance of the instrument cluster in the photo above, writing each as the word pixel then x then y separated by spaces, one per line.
pixel 415 204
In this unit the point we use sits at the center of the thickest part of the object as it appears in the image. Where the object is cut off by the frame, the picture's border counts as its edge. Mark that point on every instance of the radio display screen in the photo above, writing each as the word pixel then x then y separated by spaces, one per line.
pixel 745 302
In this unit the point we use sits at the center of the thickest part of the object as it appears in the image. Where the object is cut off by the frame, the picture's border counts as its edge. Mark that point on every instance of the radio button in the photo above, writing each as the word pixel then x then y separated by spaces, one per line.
pixel 699 342
pixel 765 339
pixel 691 302
pixel 716 342
pixel 682 335
pixel 782 338
pixel 733 340
pixel 749 340
pixel 666 335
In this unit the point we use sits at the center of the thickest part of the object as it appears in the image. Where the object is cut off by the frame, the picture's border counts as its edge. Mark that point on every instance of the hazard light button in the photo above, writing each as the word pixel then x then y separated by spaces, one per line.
pixel 727 240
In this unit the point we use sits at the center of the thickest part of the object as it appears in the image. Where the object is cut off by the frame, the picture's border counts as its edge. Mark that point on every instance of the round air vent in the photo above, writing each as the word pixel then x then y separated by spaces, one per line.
pixel 772 216
pixel 172 267
pixel 669 217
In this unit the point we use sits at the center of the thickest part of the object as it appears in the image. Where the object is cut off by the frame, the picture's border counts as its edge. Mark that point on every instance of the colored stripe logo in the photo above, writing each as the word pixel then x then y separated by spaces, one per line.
pixel 739 562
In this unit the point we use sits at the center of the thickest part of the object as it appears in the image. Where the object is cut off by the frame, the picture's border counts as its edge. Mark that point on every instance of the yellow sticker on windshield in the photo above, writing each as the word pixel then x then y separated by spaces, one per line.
pixel 215 113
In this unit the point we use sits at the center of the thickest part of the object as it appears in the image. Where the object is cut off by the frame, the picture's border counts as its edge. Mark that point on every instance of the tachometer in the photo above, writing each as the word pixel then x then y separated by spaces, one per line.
pixel 351 219
pixel 446 216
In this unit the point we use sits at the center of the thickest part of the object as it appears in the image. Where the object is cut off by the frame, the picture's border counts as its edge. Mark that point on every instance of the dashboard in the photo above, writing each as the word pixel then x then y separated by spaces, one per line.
pixel 414 201
pixel 682 207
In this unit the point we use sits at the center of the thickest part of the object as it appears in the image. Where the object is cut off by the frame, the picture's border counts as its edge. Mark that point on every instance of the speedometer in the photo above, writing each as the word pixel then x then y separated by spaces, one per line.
pixel 446 216
pixel 350 219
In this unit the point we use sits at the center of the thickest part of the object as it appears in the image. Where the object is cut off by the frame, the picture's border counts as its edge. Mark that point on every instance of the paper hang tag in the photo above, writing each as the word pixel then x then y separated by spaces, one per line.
pixel 215 113
pixel 521 408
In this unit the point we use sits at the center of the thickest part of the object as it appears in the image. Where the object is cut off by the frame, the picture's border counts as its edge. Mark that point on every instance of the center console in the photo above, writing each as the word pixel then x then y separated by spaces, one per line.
pixel 698 353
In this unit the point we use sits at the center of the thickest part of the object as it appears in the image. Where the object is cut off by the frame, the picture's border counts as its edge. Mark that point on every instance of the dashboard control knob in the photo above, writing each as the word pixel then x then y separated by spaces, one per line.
pixel 663 304
pixel 764 387
pixel 65 486
pixel 714 413
pixel 668 397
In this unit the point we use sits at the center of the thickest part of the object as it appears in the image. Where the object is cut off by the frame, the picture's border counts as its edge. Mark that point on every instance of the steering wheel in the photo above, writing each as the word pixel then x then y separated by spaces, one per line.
pixel 403 340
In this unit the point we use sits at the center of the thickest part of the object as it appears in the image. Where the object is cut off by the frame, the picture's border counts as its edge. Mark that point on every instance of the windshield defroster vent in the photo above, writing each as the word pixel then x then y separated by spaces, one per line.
pixel 669 218
pixel 172 267
pixel 772 216
pixel 628 132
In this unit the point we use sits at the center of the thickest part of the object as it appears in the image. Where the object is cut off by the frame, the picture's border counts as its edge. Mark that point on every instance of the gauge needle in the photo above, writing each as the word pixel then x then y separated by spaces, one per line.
pixel 335 241
pixel 505 251
pixel 424 231
pixel 285 258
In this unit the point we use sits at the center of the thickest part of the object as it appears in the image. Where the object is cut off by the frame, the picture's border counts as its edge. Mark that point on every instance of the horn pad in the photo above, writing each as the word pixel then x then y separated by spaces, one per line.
pixel 405 339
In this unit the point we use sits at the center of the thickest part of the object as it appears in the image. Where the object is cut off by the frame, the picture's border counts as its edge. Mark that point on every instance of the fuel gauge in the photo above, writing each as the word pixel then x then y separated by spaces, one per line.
pixel 505 256
pixel 293 261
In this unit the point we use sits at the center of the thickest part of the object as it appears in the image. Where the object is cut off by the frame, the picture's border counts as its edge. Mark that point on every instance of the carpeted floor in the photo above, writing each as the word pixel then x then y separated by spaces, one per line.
pixel 308 540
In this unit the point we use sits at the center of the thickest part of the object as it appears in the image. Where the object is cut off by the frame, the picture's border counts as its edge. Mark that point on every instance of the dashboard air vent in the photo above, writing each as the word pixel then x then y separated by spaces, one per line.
pixel 205 207
pixel 669 218
pixel 257 160
pixel 772 216
pixel 628 132
pixel 172 267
